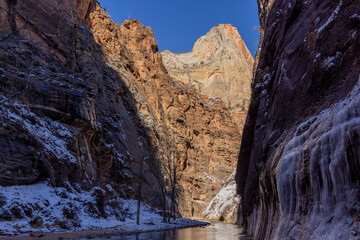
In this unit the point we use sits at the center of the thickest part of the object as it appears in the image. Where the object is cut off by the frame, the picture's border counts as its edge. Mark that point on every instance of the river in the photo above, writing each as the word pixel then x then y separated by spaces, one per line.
pixel 215 231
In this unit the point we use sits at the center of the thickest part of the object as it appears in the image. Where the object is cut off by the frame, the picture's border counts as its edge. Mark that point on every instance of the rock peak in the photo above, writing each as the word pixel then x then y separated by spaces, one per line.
pixel 219 65
pixel 221 35
pixel 224 29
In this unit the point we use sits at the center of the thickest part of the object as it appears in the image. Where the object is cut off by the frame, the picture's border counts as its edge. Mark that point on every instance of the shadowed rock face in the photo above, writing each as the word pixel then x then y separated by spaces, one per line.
pixel 219 65
pixel 56 120
pixel 51 25
pixel 84 101
pixel 297 164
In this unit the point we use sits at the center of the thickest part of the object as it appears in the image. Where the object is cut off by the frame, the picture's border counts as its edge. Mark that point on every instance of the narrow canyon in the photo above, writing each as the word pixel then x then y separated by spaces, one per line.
pixel 100 130
pixel 92 120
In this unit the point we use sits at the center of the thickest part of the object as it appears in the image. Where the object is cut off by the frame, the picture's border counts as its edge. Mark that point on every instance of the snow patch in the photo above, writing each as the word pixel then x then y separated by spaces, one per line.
pixel 332 17
pixel 330 61
pixel 48 132
pixel 51 205
pixel 225 203
pixel 355 16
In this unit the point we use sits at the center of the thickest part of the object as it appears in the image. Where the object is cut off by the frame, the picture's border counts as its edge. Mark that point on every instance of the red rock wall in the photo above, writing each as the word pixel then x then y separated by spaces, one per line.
pixel 200 132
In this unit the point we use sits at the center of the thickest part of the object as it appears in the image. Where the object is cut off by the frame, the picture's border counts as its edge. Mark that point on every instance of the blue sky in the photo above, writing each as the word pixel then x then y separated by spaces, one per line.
pixel 177 24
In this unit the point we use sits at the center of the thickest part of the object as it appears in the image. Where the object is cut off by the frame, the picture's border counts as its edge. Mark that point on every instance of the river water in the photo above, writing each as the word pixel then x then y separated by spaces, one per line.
pixel 215 231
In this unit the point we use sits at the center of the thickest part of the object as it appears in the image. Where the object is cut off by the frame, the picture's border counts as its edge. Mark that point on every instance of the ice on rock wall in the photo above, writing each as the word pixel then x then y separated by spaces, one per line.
pixel 317 176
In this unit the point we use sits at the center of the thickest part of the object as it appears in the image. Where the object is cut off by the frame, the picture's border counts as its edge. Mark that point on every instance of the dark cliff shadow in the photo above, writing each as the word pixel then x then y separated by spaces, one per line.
pixel 60 89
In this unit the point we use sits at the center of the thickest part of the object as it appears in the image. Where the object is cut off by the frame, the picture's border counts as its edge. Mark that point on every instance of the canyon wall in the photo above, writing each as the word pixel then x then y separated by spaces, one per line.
pixel 298 168
pixel 219 65
pixel 86 102
pixel 198 132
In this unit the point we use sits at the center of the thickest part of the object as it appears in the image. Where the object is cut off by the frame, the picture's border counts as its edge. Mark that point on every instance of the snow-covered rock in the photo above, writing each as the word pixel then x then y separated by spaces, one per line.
pixel 224 206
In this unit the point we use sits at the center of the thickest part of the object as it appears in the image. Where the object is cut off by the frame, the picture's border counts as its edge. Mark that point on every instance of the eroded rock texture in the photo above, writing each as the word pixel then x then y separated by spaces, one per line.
pixel 298 168
pixel 219 65
pixel 54 84
pixel 85 101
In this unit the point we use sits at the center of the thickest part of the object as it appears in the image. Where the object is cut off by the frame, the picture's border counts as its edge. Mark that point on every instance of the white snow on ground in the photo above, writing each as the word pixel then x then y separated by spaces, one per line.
pixel 225 203
pixel 48 203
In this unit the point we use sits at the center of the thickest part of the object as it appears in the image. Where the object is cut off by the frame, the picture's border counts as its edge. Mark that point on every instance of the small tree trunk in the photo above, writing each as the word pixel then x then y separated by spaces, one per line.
pixel 139 193
pixel 163 204
pixel 173 194
pixel 173 186
pixel 138 212
pixel 171 205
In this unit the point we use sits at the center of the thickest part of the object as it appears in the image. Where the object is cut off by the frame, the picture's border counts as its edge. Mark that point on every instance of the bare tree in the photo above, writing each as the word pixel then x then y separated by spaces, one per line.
pixel 139 190
pixel 172 169
pixel 155 170
pixel 165 172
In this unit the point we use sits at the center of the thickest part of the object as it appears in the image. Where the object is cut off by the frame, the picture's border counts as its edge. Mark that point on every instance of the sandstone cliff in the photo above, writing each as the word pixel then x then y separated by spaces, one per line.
pixel 219 65
pixel 298 169
pixel 197 131
pixel 84 102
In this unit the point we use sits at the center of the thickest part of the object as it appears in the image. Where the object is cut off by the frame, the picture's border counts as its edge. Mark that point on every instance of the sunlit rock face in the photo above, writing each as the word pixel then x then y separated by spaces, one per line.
pixel 298 169
pixel 84 101
pixel 219 65
pixel 191 128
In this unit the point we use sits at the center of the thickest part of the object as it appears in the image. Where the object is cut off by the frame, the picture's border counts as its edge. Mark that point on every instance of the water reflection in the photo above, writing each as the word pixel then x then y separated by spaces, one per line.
pixel 215 231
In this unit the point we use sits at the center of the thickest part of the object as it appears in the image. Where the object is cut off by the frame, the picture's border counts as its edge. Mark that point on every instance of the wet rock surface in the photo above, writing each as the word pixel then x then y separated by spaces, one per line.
pixel 295 170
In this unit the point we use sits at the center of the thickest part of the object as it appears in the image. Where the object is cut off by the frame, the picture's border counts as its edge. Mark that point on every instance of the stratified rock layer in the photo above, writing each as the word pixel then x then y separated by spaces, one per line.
pixel 298 169
pixel 85 101
pixel 219 65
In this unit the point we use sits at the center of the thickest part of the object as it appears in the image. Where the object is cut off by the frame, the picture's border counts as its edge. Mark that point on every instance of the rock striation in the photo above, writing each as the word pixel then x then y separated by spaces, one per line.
pixel 219 65
pixel 86 102
pixel 299 162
